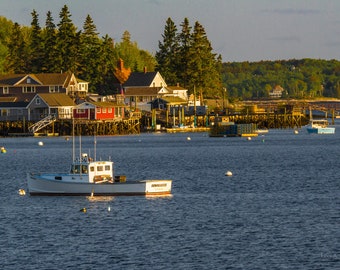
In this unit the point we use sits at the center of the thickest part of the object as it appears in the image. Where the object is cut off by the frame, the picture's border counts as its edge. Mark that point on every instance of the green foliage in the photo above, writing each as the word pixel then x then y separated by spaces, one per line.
pixel 187 58
pixel 63 48
pixel 305 78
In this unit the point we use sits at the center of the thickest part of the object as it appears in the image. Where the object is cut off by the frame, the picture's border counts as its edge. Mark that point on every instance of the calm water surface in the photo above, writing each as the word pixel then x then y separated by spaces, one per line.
pixel 279 210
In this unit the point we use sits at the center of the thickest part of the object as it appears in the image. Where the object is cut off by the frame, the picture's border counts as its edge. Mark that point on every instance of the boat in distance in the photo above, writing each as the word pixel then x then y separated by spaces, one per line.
pixel 320 126
pixel 95 178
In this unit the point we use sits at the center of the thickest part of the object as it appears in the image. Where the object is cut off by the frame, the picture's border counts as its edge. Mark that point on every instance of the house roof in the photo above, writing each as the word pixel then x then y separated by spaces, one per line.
pixel 40 78
pixel 174 100
pixel 142 91
pixel 8 99
pixel 57 99
pixel 140 79
pixel 176 88
pixel 20 104
pixel 107 104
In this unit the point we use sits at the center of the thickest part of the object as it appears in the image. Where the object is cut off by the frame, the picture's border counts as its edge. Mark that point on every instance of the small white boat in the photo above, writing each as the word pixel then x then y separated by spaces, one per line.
pixel 94 178
pixel 320 126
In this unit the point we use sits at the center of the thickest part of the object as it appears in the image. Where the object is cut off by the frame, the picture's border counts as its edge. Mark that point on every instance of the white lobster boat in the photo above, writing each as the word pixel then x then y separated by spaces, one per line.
pixel 88 177
pixel 92 177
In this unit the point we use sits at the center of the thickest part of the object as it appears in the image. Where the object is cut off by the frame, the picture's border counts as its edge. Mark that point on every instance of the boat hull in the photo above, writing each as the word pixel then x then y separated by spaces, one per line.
pixel 38 185
pixel 328 130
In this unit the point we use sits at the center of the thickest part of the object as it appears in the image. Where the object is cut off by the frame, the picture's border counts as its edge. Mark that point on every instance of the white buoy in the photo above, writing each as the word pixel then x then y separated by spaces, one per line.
pixel 296 131
pixel 249 138
pixel 22 192
pixel 40 143
pixel 188 138
pixel 109 209
pixel 228 173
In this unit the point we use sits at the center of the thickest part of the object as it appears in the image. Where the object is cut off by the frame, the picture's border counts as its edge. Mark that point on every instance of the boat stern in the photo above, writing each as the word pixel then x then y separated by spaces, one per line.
pixel 158 187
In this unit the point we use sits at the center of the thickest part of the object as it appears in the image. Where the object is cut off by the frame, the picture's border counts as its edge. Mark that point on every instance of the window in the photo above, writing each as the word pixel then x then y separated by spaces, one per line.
pixel 107 168
pixel 54 89
pixel 28 89
pixel 28 80
pixel 99 168
pixel 4 112
pixel 5 90
pixel 98 110
pixel 110 110
pixel 37 101
pixel 80 110
pixel 104 110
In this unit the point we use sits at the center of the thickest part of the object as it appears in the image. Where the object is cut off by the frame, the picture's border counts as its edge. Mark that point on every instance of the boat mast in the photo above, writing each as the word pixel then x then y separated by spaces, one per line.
pixel 95 147
pixel 73 143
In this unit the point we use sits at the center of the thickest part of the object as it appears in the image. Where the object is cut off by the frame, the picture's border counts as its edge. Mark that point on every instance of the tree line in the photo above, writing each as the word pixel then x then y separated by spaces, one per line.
pixel 62 47
pixel 183 57
pixel 300 79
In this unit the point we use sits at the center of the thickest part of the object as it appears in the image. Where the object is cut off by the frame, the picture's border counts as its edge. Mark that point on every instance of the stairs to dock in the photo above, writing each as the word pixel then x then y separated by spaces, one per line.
pixel 42 123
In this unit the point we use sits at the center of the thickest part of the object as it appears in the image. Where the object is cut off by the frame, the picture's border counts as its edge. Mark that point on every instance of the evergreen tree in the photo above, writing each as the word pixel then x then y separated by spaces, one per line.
pixel 49 34
pixel 35 49
pixel 202 63
pixel 67 42
pixel 168 55
pixel 129 52
pixel 108 60
pixel 89 55
pixel 5 30
pixel 17 52
pixel 185 43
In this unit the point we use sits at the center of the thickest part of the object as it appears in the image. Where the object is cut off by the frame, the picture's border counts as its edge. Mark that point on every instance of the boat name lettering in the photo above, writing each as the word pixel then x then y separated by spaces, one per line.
pixel 158 185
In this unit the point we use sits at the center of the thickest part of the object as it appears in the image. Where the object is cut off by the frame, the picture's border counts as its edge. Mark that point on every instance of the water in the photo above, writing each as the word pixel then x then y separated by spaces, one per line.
pixel 279 210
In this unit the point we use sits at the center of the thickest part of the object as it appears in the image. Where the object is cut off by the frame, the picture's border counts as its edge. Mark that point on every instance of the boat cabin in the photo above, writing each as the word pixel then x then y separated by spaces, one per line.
pixel 97 171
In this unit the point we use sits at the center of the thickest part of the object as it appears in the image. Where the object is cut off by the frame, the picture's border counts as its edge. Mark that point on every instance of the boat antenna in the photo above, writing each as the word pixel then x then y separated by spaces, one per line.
pixel 80 146
pixel 73 146
pixel 95 147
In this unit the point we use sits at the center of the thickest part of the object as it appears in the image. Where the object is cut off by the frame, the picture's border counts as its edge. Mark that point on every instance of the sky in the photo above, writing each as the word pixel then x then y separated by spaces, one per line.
pixel 239 30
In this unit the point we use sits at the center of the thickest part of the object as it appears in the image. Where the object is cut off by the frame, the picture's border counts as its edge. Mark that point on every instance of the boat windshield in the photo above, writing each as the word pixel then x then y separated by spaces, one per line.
pixel 79 169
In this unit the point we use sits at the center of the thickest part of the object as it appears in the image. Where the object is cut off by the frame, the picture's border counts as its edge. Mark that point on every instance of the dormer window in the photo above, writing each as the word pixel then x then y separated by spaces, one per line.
pixel 28 89
pixel 5 90
pixel 28 80
pixel 37 101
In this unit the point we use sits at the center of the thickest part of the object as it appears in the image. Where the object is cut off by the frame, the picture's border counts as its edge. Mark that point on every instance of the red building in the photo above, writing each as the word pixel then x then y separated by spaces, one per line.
pixel 99 111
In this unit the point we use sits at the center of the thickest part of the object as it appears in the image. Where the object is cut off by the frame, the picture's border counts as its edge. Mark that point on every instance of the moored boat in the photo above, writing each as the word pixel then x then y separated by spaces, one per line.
pixel 320 126
pixel 88 177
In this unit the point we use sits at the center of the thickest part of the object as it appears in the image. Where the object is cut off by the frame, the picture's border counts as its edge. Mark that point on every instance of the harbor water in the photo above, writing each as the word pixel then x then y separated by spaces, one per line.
pixel 280 209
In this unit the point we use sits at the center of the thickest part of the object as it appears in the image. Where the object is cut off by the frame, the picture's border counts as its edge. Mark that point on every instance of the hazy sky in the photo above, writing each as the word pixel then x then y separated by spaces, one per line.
pixel 239 30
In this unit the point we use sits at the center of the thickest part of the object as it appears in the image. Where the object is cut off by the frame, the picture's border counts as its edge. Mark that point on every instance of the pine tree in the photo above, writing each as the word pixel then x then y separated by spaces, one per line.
pixel 185 43
pixel 49 34
pixel 67 42
pixel 5 29
pixel 202 63
pixel 108 59
pixel 129 52
pixel 168 55
pixel 17 52
pixel 89 55
pixel 35 49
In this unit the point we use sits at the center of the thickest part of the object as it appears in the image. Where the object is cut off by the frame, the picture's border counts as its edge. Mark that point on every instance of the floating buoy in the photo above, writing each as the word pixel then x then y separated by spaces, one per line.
pixel 109 209
pixel 67 138
pixel 83 210
pixel 228 173
pixel 296 132
pixel 22 192
pixel 40 143
pixel 188 139
pixel 249 138
pixel 3 150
